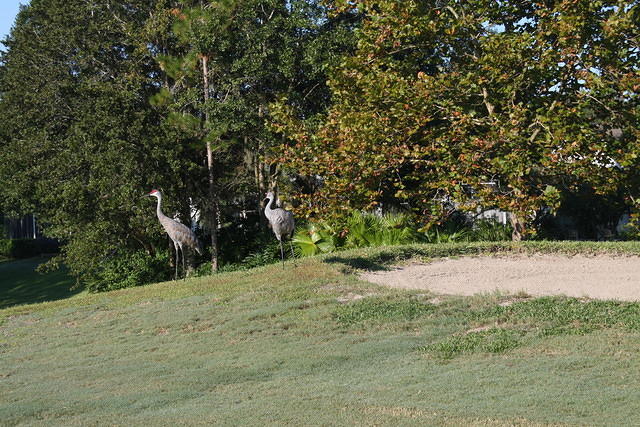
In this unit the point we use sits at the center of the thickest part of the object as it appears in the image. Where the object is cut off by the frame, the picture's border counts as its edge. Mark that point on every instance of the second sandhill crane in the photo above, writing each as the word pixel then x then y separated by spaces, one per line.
pixel 180 234
pixel 282 222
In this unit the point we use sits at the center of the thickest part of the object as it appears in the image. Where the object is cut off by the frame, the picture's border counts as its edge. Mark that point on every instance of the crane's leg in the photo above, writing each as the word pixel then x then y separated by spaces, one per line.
pixel 281 253
pixel 293 255
pixel 184 270
pixel 175 245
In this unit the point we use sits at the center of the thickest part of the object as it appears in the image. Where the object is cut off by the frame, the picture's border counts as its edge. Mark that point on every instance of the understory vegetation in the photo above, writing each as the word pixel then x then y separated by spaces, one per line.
pixel 365 229
pixel 313 344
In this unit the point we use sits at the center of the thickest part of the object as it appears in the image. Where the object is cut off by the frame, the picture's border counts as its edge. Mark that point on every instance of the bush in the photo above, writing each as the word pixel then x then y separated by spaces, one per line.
pixel 484 230
pixel 129 269
pixel 5 247
pixel 27 248
pixel 316 238
pixel 368 229
pixel 269 254
pixel 487 230
pixel 361 229
pixel 365 229
pixel 450 232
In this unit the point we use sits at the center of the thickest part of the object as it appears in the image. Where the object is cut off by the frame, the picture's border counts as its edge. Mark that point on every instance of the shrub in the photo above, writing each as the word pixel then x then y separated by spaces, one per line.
pixel 487 230
pixel 368 229
pixel 484 230
pixel 129 269
pixel 269 254
pixel 450 232
pixel 27 248
pixel 315 238
pixel 361 229
pixel 5 247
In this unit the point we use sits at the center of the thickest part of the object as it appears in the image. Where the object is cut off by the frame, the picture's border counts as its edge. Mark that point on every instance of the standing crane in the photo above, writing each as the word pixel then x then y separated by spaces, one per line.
pixel 179 233
pixel 282 222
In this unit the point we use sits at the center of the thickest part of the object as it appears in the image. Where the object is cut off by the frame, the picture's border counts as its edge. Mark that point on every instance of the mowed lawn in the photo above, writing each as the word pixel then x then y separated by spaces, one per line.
pixel 300 346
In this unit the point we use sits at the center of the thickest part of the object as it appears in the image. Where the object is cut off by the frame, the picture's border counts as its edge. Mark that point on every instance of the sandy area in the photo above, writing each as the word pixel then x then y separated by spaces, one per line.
pixel 599 277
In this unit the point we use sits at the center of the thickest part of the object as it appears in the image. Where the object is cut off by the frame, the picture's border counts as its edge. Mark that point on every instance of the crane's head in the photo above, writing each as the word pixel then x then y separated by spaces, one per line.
pixel 154 193
pixel 269 198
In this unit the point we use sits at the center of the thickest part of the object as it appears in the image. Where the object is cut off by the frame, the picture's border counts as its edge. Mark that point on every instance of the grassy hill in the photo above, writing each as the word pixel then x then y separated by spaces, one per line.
pixel 20 283
pixel 312 344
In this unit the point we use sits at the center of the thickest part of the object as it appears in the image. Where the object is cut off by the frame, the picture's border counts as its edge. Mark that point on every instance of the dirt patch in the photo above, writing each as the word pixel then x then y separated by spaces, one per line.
pixel 598 277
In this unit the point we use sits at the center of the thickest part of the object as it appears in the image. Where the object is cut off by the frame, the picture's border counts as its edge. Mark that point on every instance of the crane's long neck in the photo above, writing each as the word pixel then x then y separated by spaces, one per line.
pixel 158 209
pixel 270 206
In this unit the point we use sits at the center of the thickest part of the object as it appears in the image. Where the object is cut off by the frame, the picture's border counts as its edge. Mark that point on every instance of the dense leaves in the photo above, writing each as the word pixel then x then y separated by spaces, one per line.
pixel 475 104
pixel 101 102
pixel 80 144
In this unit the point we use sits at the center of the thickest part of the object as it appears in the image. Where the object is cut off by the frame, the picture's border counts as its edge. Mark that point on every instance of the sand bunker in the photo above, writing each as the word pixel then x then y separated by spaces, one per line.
pixel 599 277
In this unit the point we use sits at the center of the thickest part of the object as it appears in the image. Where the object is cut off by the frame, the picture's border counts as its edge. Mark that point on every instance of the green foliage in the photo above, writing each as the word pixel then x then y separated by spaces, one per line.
pixel 80 150
pixel 108 103
pixel 368 229
pixel 26 248
pixel 256 252
pixel 450 232
pixel 428 109
pixel 315 238
pixel 6 246
pixel 129 269
pixel 380 310
pixel 267 255
pixel 360 229
pixel 417 108
pixel 484 230
pixel 490 231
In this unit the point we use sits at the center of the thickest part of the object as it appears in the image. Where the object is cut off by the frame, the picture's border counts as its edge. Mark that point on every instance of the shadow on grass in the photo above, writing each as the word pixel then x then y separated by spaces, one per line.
pixel 381 258
pixel 378 259
pixel 358 263
pixel 21 284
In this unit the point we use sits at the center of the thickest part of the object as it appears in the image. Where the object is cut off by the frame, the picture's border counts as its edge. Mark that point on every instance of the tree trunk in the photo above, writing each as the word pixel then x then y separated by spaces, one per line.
pixel 518 227
pixel 212 202
pixel 258 174
pixel 274 172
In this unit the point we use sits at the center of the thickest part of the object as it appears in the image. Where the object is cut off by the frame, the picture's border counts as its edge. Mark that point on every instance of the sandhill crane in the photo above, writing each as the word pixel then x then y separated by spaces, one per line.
pixel 179 233
pixel 282 222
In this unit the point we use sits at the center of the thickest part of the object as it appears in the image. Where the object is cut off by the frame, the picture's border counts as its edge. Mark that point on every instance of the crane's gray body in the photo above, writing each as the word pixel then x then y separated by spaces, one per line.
pixel 180 234
pixel 282 222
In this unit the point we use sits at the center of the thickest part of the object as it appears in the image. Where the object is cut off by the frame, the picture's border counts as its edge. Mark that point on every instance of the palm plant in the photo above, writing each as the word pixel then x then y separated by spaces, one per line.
pixel 314 238
pixel 449 232
pixel 487 230
pixel 369 229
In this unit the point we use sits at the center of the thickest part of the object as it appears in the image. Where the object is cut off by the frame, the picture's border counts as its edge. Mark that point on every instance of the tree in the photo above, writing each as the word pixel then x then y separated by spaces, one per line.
pixel 229 61
pixel 483 103
pixel 79 141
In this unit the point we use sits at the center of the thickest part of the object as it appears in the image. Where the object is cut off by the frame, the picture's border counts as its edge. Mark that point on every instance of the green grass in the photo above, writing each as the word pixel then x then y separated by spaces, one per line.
pixel 21 284
pixel 376 309
pixel 273 346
